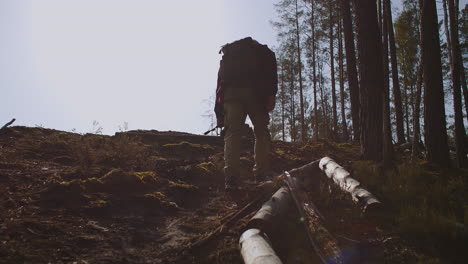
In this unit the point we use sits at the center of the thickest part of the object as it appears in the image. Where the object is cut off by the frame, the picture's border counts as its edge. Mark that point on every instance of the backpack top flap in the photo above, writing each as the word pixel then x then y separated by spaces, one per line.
pixel 240 61
pixel 246 60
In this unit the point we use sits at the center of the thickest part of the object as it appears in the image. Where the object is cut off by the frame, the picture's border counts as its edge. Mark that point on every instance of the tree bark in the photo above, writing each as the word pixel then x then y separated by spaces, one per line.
pixel 434 110
pixel 351 68
pixel 283 113
pixel 272 211
pixel 325 245
pixel 371 72
pixel 419 80
pixel 299 63
pixel 457 102
pixel 314 70
pixel 465 90
pixel 341 76
pixel 387 131
pixel 256 248
pixel 396 83
pixel 344 180
pixel 324 105
pixel 332 70
pixel 417 112
pixel 292 118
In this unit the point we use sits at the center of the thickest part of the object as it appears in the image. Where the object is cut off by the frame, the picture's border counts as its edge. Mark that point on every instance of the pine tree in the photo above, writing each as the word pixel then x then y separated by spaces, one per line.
pixel 351 67
pixel 370 60
pixel 396 82
pixel 341 78
pixel 387 132
pixel 457 105
pixel 435 131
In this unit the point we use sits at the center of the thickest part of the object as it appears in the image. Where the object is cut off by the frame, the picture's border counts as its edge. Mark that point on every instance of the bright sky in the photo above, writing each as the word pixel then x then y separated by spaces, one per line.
pixel 151 63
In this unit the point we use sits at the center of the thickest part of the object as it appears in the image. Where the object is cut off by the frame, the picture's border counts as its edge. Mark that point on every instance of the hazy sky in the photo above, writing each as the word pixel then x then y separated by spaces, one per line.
pixel 151 63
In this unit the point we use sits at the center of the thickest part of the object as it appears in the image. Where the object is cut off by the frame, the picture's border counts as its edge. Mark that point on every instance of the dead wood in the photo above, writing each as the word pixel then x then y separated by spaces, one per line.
pixel 343 179
pixel 324 244
pixel 304 172
pixel 272 211
pixel 265 191
pixel 8 124
pixel 256 248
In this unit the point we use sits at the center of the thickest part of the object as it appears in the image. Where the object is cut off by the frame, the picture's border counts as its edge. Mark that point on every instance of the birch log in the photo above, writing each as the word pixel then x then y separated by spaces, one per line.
pixel 324 244
pixel 272 211
pixel 264 191
pixel 344 180
pixel 256 248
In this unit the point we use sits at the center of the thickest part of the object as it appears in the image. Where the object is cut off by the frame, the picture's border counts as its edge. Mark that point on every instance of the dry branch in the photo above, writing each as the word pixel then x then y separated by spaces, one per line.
pixel 325 245
pixel 305 171
pixel 343 179
pixel 265 191
pixel 7 124
pixel 256 248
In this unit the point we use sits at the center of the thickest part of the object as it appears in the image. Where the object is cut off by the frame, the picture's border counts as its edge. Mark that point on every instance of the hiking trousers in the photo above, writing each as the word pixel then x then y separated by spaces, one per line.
pixel 235 113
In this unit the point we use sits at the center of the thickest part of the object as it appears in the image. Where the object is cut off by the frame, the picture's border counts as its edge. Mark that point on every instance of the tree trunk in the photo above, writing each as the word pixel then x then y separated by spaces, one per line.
pixel 387 132
pixel 256 248
pixel 332 71
pixel 435 131
pixel 465 90
pixel 371 72
pixel 283 114
pixel 462 72
pixel 299 63
pixel 447 35
pixel 292 122
pixel 325 245
pixel 396 83
pixel 457 102
pixel 417 108
pixel 272 211
pixel 407 115
pixel 379 12
pixel 341 76
pixel 351 68
pixel 324 111
pixel 344 180
pixel 417 111
pixel 314 70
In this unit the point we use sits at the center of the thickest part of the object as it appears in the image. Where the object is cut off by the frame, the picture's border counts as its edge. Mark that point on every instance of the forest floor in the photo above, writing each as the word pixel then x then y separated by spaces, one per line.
pixel 147 196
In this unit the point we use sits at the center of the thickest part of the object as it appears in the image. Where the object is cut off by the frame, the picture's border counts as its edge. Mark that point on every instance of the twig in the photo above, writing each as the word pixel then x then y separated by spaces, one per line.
pixel 7 124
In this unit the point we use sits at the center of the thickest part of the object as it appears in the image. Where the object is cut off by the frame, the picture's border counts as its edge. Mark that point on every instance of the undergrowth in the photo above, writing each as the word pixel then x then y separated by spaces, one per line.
pixel 426 206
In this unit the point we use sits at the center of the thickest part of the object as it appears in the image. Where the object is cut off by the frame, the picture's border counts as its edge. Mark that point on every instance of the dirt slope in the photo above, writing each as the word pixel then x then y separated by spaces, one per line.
pixel 146 196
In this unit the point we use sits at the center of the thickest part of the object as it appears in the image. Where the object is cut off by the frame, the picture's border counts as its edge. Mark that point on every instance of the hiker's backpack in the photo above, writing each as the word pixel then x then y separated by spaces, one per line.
pixel 247 61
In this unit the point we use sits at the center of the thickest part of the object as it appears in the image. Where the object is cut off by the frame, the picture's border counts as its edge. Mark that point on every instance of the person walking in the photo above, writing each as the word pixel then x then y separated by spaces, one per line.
pixel 247 86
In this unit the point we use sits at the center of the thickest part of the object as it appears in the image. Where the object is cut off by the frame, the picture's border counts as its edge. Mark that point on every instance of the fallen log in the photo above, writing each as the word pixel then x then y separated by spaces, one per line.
pixel 344 180
pixel 256 248
pixel 7 124
pixel 324 244
pixel 265 191
pixel 272 211
pixel 304 172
